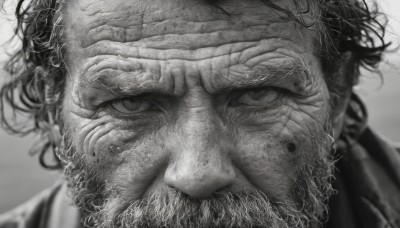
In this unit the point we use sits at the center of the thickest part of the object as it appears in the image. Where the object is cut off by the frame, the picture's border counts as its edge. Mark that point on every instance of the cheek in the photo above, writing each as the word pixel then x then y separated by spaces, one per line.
pixel 272 159
pixel 267 163
pixel 107 143
pixel 105 147
pixel 125 156
pixel 135 170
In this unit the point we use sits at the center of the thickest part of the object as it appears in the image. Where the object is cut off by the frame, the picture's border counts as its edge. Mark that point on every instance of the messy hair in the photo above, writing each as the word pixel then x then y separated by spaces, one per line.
pixel 34 90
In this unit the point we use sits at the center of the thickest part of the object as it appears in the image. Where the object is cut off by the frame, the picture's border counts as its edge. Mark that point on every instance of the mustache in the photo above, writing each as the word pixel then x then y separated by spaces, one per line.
pixel 305 207
pixel 226 208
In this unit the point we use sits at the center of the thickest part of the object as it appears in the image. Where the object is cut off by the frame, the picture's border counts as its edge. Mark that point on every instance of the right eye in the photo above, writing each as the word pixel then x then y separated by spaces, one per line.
pixel 131 106
pixel 261 97
pixel 257 97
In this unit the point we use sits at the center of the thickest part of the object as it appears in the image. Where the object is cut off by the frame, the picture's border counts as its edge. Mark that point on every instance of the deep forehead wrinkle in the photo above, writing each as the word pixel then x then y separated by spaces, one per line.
pixel 168 49
pixel 120 57
pixel 185 34
pixel 130 22
pixel 125 82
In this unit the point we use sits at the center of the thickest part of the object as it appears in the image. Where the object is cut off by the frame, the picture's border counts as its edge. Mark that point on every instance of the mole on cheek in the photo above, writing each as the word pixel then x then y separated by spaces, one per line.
pixel 291 147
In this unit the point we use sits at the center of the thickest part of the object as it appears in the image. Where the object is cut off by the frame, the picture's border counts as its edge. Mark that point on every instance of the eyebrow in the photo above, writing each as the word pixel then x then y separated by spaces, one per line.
pixel 127 80
pixel 125 87
pixel 106 75
pixel 295 72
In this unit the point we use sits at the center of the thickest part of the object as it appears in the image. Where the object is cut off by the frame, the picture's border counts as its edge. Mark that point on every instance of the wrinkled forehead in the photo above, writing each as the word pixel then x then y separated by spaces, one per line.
pixel 135 20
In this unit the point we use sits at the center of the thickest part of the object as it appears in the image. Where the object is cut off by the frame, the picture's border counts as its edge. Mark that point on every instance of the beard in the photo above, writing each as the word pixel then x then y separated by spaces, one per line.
pixel 306 205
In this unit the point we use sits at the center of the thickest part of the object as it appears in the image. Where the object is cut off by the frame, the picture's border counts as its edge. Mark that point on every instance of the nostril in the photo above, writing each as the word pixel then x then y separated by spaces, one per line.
pixel 198 184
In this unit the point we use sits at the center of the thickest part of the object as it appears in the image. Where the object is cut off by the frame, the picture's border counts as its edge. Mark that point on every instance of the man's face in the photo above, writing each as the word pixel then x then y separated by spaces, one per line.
pixel 180 115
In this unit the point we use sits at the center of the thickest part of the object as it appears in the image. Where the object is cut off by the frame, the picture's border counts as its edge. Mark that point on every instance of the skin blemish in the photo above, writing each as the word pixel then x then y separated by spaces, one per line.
pixel 94 154
pixel 297 86
pixel 291 147
pixel 115 149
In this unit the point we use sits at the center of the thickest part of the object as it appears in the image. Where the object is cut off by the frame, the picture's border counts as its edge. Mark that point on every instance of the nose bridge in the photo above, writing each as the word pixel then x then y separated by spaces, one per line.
pixel 198 122
pixel 200 164
pixel 199 126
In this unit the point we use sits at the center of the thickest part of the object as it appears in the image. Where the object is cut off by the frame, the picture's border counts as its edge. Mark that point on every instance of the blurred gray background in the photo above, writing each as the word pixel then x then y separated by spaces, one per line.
pixel 21 176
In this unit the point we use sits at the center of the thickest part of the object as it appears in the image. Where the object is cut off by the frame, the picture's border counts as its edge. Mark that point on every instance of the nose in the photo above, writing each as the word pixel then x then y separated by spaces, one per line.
pixel 200 162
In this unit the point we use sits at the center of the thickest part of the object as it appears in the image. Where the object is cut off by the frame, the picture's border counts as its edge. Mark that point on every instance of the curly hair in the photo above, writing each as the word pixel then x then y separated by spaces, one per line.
pixel 34 90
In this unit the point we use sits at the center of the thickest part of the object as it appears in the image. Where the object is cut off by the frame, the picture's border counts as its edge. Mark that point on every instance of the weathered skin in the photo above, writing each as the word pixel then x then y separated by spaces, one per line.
pixel 211 101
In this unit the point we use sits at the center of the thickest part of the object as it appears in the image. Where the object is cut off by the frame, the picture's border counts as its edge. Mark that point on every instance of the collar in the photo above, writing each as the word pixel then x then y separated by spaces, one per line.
pixel 63 214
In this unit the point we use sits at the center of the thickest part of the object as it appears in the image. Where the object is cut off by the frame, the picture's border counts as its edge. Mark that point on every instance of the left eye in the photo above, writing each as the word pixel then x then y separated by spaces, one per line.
pixel 131 106
pixel 261 97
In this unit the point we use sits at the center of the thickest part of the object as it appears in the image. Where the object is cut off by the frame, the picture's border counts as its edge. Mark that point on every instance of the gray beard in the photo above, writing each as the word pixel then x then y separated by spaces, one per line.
pixel 169 208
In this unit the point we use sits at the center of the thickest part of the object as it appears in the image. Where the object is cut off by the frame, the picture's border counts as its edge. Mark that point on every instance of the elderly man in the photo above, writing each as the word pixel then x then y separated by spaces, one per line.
pixel 196 113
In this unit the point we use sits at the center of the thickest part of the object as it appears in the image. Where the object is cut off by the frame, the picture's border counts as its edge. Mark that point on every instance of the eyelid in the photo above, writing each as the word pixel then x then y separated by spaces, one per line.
pixel 152 98
pixel 241 91
pixel 126 116
pixel 116 98
pixel 235 95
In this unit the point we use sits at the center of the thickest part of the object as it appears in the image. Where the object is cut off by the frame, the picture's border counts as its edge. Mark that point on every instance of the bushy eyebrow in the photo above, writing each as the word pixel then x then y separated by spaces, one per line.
pixel 104 74
pixel 296 73
pixel 107 82
pixel 274 74
pixel 132 81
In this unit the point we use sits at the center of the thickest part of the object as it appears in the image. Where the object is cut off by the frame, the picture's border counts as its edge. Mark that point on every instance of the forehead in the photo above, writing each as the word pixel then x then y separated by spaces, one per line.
pixel 162 38
pixel 135 20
